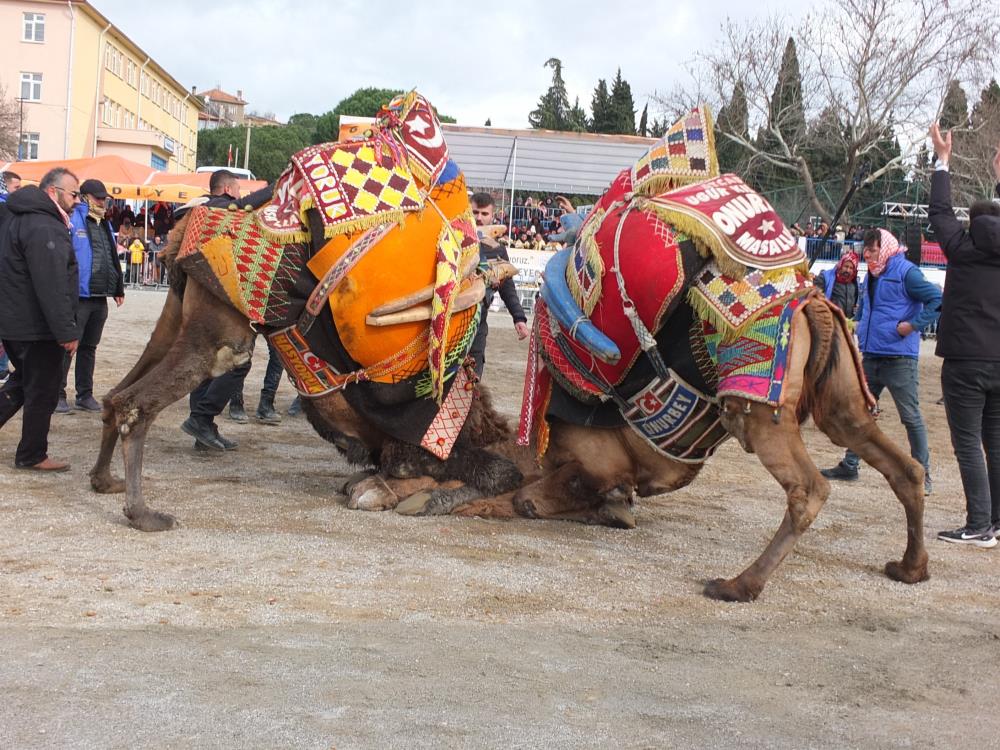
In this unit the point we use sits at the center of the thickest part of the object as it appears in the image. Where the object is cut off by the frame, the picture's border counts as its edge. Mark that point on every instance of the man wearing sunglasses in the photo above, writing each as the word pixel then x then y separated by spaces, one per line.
pixel 38 302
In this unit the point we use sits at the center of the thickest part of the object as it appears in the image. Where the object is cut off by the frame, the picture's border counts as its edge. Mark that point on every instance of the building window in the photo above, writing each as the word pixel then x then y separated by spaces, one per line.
pixel 34 27
pixel 31 87
pixel 113 59
pixel 130 73
pixel 28 149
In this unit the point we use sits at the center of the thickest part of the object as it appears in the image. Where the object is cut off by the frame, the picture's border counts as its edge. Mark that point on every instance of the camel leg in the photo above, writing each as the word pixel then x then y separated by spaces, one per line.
pixel 566 495
pixel 162 338
pixel 783 454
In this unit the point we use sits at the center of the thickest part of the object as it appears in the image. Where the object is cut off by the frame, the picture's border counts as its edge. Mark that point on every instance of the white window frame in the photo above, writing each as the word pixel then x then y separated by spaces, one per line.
pixel 34 83
pixel 29 143
pixel 33 23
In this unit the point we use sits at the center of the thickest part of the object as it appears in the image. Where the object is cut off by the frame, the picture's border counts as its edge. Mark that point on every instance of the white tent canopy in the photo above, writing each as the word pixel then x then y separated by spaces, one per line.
pixel 542 160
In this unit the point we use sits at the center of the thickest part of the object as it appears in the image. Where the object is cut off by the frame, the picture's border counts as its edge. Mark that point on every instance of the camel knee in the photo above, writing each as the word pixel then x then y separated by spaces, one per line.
pixel 804 504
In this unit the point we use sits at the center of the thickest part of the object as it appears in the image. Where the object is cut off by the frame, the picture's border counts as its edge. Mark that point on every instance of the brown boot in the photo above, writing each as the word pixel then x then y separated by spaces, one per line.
pixel 47 464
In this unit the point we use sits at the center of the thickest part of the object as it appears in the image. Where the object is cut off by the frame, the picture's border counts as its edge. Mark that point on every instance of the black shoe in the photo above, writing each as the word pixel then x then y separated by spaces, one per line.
pixel 266 413
pixel 296 408
pixel 206 434
pixel 88 403
pixel 965 535
pixel 841 472
pixel 229 445
pixel 62 407
pixel 236 411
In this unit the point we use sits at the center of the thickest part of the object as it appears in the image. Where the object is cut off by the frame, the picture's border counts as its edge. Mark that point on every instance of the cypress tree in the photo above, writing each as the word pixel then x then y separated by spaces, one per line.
pixel 600 109
pixel 642 120
pixel 622 106
pixel 553 108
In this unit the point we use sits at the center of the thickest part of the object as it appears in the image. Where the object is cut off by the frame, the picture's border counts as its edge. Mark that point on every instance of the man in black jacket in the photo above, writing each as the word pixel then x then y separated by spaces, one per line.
pixel 38 299
pixel 490 249
pixel 969 342
pixel 209 399
pixel 100 278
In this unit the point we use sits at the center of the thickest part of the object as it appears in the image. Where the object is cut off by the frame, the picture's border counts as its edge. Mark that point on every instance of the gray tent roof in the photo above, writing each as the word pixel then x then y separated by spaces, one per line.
pixel 543 160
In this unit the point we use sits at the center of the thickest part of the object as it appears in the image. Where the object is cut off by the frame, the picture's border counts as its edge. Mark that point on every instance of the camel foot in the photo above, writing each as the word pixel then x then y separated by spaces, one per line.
pixel 151 520
pixel 372 493
pixel 617 515
pixel 898 571
pixel 415 505
pixel 107 484
pixel 730 590
pixel 354 479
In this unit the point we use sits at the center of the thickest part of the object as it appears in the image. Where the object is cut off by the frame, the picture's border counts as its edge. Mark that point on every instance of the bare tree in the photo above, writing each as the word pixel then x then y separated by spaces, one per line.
pixel 9 126
pixel 875 68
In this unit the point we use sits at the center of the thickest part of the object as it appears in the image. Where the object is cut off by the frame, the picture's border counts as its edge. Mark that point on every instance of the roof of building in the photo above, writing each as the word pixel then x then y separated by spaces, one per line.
pixel 218 95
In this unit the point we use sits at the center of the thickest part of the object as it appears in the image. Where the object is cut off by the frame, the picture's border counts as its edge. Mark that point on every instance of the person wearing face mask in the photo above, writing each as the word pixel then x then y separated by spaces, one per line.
pixel 100 278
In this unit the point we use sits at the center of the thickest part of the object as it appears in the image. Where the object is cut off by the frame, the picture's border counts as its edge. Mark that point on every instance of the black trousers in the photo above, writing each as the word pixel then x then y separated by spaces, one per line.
pixel 478 349
pixel 211 396
pixel 35 386
pixel 91 316
pixel 972 402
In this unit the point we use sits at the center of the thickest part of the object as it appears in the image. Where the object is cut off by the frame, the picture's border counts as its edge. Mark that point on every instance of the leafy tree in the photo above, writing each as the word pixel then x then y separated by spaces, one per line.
pixel 732 118
pixel 622 106
pixel 365 102
pixel 488 123
pixel 643 128
pixel 659 127
pixel 553 108
pixel 600 109
pixel 577 118
pixel 975 142
pixel 270 147
pixel 955 108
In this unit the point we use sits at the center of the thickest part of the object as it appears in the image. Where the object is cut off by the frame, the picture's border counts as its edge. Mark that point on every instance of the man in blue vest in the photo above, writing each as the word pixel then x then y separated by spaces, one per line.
pixel 100 278
pixel 895 303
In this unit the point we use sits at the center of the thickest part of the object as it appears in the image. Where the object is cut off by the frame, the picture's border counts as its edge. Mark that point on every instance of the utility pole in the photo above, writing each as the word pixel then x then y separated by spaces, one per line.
pixel 246 151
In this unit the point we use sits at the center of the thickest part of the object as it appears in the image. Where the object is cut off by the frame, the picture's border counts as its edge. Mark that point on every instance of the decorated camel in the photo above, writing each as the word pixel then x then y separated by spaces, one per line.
pixel 364 272
pixel 683 316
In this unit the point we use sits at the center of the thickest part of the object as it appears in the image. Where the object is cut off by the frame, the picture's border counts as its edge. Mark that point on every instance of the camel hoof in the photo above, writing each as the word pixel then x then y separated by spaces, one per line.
pixel 524 507
pixel 897 571
pixel 152 521
pixel 348 486
pixel 107 485
pixel 616 515
pixel 725 590
pixel 415 505
pixel 372 493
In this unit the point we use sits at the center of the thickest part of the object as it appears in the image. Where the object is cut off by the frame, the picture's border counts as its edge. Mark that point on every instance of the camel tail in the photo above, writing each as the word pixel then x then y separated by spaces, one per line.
pixel 168 256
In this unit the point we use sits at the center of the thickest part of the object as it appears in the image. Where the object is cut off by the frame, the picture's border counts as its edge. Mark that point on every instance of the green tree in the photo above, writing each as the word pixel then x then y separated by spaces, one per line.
pixel 577 118
pixel 271 147
pixel 600 109
pixel 553 108
pixel 622 106
pixel 488 123
pixel 955 107
pixel 643 128
pixel 732 118
pixel 365 102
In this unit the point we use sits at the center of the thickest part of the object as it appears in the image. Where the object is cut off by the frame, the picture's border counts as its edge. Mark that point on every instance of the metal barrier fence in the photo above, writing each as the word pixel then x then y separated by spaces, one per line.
pixel 150 274
pixel 818 248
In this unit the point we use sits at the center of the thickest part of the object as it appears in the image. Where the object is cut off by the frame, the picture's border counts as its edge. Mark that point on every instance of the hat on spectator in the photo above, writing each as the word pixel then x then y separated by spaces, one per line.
pixel 95 188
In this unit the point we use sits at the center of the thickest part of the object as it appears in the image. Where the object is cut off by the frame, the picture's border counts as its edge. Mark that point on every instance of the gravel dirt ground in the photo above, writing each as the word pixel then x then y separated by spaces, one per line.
pixel 276 617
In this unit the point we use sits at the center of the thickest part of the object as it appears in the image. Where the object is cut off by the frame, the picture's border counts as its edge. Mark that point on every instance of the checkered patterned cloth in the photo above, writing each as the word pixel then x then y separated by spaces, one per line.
pixel 686 154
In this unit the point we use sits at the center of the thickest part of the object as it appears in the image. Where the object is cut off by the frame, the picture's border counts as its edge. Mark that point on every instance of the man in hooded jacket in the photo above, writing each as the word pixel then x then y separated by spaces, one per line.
pixel 969 342
pixel 38 300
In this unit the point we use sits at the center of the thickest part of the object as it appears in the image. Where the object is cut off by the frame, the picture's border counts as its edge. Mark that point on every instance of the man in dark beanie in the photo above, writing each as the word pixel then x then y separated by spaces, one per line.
pixel 38 298
pixel 100 278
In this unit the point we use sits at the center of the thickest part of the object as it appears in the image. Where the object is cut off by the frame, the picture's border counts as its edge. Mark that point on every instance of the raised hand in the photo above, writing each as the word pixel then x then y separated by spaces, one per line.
pixel 942 144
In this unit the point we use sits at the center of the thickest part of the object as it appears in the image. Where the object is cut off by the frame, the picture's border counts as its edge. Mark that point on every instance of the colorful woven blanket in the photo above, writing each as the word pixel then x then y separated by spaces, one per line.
pixel 228 252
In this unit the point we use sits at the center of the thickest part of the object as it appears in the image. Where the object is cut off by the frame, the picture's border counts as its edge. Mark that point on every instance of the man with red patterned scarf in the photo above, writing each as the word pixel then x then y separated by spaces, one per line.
pixel 840 284
pixel 895 303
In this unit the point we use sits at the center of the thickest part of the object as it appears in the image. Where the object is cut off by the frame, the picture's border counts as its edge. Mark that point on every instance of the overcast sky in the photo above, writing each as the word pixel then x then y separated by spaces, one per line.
pixel 306 56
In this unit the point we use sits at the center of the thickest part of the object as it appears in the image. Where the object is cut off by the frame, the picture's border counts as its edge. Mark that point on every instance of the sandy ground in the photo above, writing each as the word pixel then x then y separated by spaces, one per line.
pixel 276 617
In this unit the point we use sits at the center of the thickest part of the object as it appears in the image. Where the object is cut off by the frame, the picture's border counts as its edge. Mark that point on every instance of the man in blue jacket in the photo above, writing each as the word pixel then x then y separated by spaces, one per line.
pixel 895 303
pixel 100 278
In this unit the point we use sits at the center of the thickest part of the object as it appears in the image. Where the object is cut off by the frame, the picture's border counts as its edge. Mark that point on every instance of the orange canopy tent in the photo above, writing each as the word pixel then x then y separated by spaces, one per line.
pixel 127 179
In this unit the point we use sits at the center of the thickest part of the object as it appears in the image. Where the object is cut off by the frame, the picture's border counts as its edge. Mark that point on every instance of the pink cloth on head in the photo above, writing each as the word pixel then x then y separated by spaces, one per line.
pixel 888 246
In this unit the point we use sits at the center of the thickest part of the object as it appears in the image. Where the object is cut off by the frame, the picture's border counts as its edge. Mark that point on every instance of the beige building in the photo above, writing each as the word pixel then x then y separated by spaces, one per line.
pixel 86 89
pixel 222 109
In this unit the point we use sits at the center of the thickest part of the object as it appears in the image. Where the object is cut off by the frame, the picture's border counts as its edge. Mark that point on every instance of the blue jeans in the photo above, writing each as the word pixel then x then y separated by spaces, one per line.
pixel 901 376
pixel 972 401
